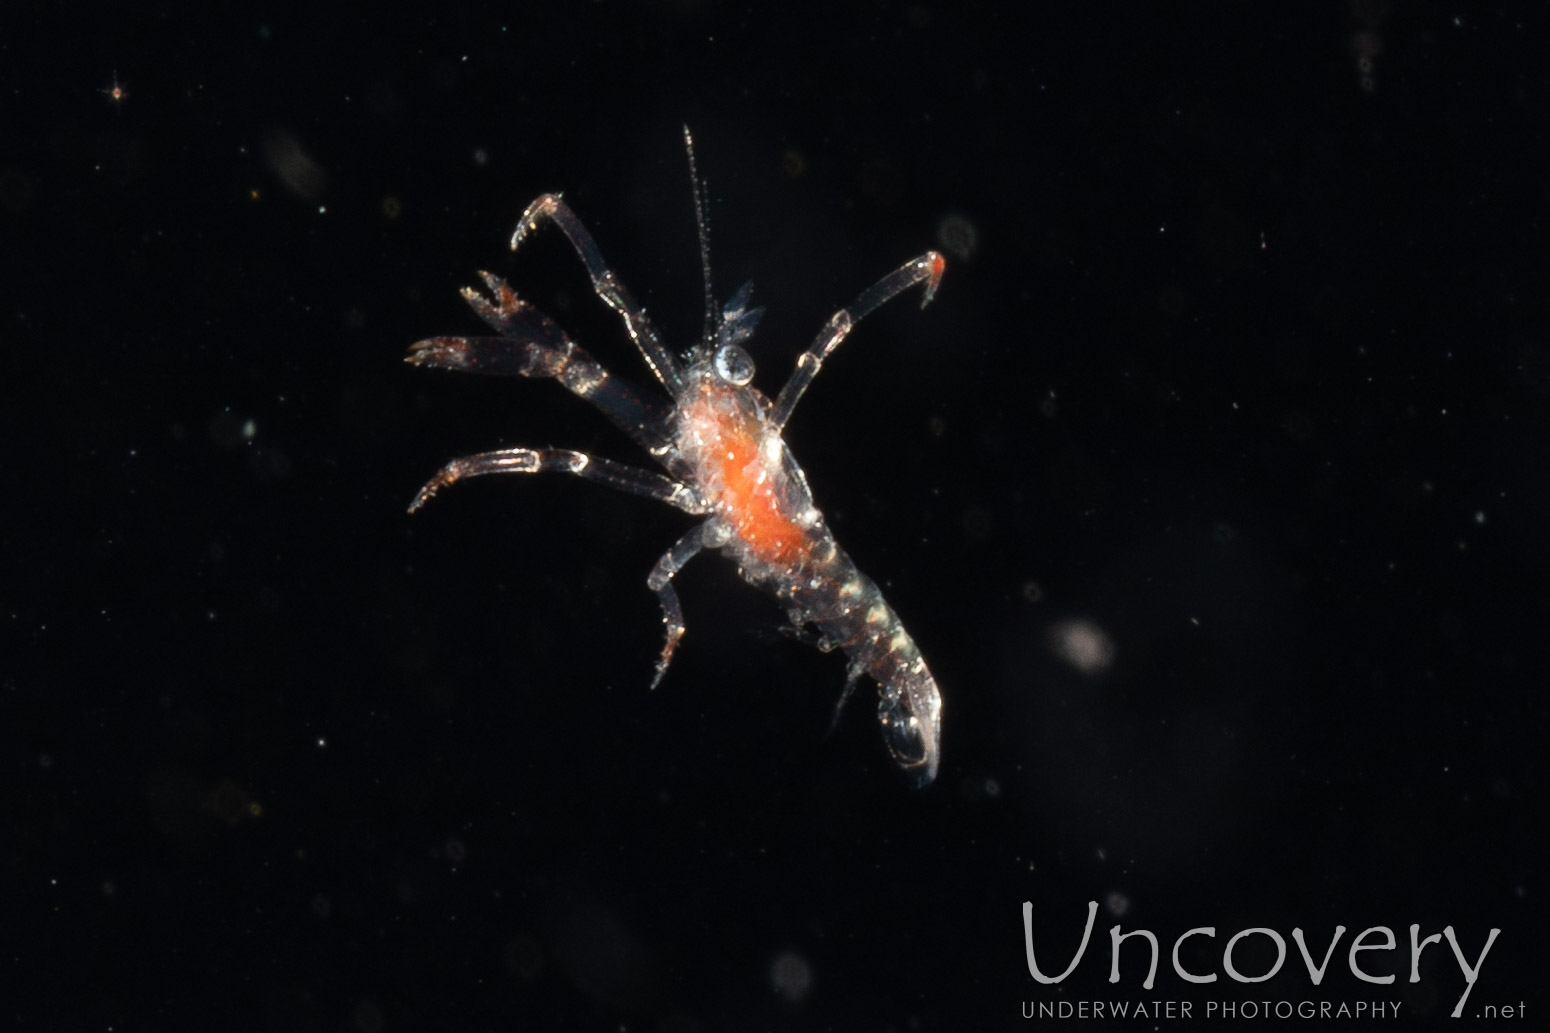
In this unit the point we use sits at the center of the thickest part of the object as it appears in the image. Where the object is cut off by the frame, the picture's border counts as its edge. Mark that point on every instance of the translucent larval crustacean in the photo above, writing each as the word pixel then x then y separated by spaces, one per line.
pixel 720 442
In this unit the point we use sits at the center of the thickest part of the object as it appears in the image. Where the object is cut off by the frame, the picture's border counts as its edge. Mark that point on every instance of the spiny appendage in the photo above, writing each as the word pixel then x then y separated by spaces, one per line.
pixel 504 311
pixel 445 476
pixel 511 460
pixel 444 352
pixel 660 581
pixel 532 354
pixel 530 343
pixel 542 207
pixel 506 305
pixel 646 483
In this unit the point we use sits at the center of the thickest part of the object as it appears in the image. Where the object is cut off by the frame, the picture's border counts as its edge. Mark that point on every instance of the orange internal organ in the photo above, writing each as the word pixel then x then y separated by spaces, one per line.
pixel 750 488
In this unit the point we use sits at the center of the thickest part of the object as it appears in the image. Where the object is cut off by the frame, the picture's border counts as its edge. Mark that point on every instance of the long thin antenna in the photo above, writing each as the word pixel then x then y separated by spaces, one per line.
pixel 703 224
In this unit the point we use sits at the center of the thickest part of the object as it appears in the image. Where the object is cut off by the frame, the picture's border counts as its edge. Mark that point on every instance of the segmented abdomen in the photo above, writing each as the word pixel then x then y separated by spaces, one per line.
pixel 830 593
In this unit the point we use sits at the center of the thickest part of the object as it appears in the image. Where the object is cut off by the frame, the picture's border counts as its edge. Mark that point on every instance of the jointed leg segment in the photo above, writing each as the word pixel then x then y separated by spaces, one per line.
pixel 532 345
pixel 660 581
pixel 605 283
pixel 928 267
pixel 539 460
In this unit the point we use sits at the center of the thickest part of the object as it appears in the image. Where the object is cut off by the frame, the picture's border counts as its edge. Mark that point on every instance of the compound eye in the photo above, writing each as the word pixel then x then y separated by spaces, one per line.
pixel 734 365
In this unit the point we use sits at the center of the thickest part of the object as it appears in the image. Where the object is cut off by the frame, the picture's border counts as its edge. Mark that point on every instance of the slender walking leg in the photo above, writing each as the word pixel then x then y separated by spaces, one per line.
pixel 927 267
pixel 563 460
pixel 660 581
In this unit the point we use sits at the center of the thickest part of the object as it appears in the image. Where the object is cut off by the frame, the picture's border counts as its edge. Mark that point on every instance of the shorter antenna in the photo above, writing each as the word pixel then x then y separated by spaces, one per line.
pixel 703 224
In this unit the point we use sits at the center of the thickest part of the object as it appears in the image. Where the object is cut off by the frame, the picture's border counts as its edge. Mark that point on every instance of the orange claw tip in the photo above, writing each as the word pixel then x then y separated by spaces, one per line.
pixel 937 265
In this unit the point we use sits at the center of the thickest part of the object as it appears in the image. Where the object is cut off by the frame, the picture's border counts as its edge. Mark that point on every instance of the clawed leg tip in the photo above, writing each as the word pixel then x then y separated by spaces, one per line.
pixel 935 266
pixel 424 495
pixel 661 672
pixel 450 352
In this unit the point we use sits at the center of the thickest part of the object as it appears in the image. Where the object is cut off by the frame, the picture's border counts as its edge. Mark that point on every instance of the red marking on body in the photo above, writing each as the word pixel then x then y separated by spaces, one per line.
pixel 749 493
